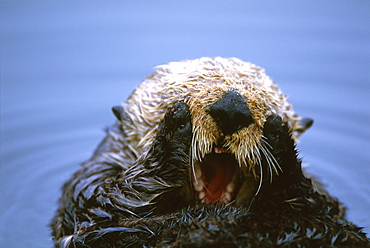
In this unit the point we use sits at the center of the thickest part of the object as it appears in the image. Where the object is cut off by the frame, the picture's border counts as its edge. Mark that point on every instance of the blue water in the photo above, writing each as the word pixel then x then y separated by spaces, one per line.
pixel 64 64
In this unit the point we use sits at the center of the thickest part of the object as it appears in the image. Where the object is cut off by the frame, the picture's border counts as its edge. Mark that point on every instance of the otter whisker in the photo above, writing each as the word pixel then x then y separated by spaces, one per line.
pixel 205 186
pixel 268 159
pixel 242 161
pixel 264 139
pixel 193 168
pixel 259 157
pixel 260 181
pixel 276 164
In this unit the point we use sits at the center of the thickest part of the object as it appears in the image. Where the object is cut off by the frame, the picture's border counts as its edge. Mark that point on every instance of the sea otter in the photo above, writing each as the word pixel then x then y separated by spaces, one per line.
pixel 202 155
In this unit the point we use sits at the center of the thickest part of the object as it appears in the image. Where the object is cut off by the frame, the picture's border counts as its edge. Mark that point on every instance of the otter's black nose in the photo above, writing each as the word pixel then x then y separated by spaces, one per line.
pixel 231 113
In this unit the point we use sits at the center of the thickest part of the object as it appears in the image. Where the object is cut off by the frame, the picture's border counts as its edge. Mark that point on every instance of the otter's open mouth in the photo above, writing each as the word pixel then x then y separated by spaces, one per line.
pixel 217 177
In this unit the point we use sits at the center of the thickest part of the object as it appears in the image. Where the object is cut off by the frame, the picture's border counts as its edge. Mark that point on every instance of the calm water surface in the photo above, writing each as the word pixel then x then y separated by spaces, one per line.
pixel 63 65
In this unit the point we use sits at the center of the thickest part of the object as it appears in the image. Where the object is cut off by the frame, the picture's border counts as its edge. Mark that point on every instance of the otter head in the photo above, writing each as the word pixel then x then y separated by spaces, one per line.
pixel 229 102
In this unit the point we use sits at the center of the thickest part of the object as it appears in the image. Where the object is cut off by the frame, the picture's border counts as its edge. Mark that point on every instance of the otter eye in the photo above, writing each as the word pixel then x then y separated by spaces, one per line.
pixel 231 113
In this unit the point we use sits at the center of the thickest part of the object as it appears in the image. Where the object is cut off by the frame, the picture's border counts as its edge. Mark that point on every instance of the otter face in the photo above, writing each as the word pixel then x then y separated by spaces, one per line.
pixel 229 102
pixel 226 163
pixel 228 147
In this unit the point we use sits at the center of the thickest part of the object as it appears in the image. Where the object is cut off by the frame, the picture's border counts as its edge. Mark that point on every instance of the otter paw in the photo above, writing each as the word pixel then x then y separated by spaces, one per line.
pixel 177 121
pixel 277 133
pixel 272 129
pixel 179 113
pixel 273 124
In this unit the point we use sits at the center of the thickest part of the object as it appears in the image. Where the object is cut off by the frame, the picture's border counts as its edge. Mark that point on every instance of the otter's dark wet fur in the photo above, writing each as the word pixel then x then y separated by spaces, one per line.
pixel 150 204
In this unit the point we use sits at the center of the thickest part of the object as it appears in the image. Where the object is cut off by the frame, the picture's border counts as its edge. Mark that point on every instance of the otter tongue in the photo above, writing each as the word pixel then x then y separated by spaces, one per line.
pixel 217 173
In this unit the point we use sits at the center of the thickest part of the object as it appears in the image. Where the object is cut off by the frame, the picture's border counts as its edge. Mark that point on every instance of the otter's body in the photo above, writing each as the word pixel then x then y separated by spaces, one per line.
pixel 203 155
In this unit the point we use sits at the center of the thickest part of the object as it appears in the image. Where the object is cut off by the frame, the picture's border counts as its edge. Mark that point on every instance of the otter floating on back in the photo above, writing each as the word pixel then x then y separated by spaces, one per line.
pixel 203 155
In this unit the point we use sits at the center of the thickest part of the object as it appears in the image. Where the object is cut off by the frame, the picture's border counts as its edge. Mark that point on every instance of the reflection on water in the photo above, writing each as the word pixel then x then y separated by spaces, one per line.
pixel 64 65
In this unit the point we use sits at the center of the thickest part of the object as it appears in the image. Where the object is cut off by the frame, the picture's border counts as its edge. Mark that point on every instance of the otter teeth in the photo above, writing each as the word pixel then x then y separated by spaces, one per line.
pixel 202 196
pixel 199 186
pixel 220 150
pixel 226 197
pixel 230 187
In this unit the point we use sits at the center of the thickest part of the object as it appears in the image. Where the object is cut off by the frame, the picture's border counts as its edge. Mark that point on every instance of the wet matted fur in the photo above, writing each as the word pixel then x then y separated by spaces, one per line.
pixel 203 155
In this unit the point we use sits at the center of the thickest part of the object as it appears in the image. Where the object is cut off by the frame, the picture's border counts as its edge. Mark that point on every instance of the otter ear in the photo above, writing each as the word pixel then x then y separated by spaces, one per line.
pixel 303 125
pixel 119 112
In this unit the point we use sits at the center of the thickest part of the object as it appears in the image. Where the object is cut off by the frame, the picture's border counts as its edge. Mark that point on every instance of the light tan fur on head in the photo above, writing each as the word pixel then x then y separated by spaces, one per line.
pixel 201 83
